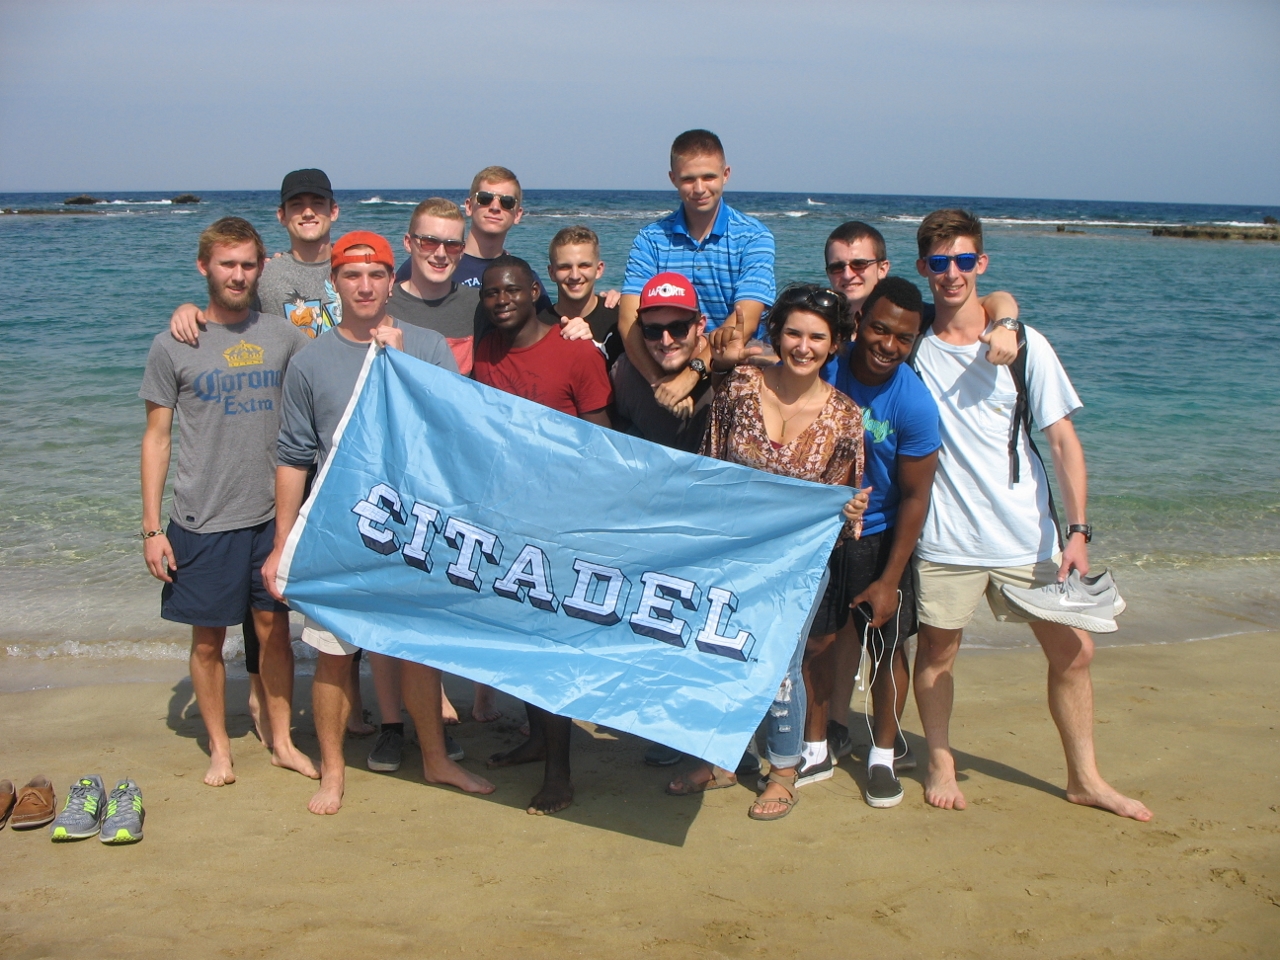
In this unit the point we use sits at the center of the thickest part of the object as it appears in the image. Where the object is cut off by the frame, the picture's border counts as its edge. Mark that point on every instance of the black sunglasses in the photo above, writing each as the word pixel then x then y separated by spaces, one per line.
pixel 679 329
pixel 484 198
pixel 426 243
pixel 819 298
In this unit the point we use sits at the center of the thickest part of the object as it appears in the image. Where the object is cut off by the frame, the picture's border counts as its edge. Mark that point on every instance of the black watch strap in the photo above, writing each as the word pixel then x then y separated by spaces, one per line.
pixel 1085 528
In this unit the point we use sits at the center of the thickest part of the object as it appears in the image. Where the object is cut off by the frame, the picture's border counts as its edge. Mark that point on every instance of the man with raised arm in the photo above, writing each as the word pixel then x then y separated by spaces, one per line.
pixel 316 393
pixel 728 256
pixel 856 260
pixel 225 395
pixel 525 357
pixel 991 523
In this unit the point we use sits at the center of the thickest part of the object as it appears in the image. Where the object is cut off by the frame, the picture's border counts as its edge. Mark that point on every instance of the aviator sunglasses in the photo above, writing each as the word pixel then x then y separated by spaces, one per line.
pixel 485 197
pixel 679 329
pixel 426 243
pixel 836 267
pixel 965 262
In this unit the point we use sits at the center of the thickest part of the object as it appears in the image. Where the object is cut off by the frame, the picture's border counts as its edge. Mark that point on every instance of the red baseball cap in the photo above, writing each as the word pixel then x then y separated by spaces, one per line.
pixel 669 290
pixel 362 238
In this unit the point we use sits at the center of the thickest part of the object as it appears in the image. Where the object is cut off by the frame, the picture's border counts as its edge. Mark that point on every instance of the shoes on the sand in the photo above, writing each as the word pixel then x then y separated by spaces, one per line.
pixel 7 797
pixel 82 811
pixel 123 822
pixel 1086 603
pixel 660 755
pixel 35 805
pixel 838 742
pixel 387 752
pixel 749 765
pixel 452 749
pixel 808 773
pixel 883 787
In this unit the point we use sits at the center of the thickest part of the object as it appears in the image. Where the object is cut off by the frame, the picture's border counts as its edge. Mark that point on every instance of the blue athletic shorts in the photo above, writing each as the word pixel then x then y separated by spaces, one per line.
pixel 219 576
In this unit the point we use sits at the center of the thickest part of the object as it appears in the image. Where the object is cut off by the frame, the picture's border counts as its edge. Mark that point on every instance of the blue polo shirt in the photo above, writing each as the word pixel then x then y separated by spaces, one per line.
pixel 901 417
pixel 734 262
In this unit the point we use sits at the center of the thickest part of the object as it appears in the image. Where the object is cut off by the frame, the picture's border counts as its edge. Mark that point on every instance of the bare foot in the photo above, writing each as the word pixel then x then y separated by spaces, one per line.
pixel 328 799
pixel 448 772
pixel 220 772
pixel 555 795
pixel 940 787
pixel 483 708
pixel 1107 797
pixel 290 757
pixel 527 752
pixel 448 713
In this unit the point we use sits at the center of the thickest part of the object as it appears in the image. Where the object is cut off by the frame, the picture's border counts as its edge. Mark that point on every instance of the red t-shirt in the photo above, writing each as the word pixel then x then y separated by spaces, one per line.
pixel 565 375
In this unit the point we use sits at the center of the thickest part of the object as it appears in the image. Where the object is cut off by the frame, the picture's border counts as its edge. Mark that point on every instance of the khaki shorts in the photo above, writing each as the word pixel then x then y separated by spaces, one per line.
pixel 317 636
pixel 947 594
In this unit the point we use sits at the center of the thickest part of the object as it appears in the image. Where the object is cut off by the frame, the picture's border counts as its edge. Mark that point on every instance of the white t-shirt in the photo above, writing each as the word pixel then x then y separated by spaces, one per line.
pixel 978 516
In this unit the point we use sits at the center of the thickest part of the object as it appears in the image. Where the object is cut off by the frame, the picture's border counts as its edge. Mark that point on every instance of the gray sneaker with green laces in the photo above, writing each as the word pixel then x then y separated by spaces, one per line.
pixel 81 815
pixel 123 823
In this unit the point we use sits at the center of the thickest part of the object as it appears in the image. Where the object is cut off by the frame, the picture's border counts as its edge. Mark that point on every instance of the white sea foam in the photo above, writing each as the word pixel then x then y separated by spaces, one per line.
pixel 140 203
pixel 394 203
pixel 1043 222
pixel 814 203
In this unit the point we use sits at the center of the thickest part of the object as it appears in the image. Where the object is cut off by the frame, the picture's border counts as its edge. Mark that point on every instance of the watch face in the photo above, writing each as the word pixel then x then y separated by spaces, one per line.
pixel 697 366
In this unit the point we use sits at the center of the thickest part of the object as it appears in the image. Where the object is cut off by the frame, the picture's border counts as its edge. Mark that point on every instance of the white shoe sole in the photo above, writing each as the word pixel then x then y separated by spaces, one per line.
pixel 883 803
pixel 1081 621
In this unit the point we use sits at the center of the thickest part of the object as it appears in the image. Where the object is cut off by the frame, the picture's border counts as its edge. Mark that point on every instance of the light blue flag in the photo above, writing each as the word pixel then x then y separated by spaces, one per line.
pixel 588 572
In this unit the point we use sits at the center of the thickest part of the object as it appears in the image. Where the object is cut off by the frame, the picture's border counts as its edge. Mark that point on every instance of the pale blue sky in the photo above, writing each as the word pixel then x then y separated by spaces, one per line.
pixel 1108 101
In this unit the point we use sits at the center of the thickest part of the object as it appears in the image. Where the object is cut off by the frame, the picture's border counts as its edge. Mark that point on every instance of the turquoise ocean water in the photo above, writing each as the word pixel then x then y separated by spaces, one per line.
pixel 1173 344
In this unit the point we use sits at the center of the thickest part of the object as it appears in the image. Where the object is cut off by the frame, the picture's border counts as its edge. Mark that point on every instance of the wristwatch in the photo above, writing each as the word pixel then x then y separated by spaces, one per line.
pixel 1008 323
pixel 700 368
pixel 1085 528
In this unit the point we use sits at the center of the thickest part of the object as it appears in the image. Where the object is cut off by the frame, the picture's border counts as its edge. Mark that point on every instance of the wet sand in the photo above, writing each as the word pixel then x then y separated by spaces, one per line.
pixel 407 870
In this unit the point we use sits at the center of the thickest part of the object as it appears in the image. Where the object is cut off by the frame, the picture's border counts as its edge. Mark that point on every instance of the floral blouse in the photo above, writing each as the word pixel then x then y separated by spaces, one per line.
pixel 828 450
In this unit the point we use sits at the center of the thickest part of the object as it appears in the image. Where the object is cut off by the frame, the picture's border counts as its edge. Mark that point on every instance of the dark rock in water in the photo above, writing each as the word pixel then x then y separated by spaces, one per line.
pixel 1270 220
pixel 185 198
pixel 83 200
pixel 1203 231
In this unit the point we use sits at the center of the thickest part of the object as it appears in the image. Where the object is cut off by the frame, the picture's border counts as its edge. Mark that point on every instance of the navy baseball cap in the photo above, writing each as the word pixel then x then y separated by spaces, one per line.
pixel 305 181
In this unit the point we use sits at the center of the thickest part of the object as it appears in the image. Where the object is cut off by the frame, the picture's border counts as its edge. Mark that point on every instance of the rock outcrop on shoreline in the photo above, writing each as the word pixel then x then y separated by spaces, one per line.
pixel 185 198
pixel 82 200
pixel 1200 231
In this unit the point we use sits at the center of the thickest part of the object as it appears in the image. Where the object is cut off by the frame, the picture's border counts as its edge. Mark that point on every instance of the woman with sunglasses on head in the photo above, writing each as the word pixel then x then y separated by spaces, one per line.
pixel 785 419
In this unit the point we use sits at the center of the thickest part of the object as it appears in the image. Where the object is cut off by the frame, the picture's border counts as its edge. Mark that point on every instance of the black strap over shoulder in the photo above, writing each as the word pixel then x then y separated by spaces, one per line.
pixel 1021 410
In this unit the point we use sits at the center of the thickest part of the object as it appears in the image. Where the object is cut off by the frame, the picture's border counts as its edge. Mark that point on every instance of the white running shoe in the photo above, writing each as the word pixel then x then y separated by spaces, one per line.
pixel 1087 603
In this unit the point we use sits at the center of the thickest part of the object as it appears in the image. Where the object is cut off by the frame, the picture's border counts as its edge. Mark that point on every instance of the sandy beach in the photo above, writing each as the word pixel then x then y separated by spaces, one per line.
pixel 407 870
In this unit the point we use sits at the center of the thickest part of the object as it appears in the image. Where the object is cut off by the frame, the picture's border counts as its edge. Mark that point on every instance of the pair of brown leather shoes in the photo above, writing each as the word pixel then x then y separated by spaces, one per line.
pixel 32 806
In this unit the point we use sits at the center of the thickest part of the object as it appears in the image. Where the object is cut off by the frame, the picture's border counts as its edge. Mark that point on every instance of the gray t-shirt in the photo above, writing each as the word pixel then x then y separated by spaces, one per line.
pixel 299 292
pixel 319 385
pixel 225 392
pixel 455 316
pixel 633 399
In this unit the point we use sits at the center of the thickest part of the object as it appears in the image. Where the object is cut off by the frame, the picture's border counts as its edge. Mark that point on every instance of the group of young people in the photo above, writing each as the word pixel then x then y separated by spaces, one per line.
pixel 698 352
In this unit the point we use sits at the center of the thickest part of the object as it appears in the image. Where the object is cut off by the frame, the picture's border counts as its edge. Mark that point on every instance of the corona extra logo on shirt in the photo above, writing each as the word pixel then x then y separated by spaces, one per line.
pixel 243 354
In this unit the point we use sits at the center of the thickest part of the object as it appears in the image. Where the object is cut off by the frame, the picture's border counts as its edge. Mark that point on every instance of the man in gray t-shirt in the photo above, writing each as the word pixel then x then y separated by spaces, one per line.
pixel 316 391
pixel 225 394
pixel 294 285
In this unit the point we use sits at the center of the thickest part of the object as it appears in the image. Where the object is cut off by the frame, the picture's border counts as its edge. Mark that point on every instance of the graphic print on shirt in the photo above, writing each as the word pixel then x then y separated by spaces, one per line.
pixel 232 389
pixel 879 430
pixel 313 316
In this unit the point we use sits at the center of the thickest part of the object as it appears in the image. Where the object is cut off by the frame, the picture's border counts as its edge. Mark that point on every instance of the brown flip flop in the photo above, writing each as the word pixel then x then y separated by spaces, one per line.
pixel 35 806
pixel 720 779
pixel 6 801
